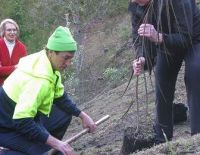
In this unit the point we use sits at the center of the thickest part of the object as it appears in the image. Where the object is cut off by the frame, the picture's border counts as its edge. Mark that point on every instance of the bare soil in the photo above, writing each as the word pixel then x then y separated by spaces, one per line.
pixel 108 138
pixel 98 97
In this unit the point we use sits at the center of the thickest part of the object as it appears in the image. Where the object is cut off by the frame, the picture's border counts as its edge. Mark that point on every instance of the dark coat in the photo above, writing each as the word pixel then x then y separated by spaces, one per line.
pixel 177 20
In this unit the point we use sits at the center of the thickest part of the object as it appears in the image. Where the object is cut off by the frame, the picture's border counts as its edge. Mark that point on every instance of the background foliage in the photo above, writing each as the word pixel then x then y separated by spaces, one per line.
pixel 38 18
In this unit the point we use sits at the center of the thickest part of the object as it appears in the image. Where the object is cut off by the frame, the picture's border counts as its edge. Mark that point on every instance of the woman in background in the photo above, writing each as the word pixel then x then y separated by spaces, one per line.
pixel 11 49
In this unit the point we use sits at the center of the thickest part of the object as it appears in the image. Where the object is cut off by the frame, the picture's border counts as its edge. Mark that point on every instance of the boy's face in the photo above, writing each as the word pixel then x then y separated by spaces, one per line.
pixel 141 2
pixel 60 60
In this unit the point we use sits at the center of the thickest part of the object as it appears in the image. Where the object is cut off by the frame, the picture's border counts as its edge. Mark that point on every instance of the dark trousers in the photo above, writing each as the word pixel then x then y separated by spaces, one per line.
pixel 166 71
pixel 56 125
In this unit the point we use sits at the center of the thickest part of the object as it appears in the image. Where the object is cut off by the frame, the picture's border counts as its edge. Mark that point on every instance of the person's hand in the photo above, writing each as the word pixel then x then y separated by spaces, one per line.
pixel 149 31
pixel 87 122
pixel 59 145
pixel 65 148
pixel 138 65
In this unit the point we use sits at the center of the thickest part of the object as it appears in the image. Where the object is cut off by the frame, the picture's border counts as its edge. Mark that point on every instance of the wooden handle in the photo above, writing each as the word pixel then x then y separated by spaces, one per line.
pixel 83 132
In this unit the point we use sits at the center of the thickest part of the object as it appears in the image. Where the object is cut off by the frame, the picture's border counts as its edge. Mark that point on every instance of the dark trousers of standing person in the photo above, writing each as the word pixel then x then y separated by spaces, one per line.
pixel 56 125
pixel 166 71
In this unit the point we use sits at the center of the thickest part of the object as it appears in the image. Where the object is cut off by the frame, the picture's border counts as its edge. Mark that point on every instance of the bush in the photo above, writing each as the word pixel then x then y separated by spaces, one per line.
pixel 114 74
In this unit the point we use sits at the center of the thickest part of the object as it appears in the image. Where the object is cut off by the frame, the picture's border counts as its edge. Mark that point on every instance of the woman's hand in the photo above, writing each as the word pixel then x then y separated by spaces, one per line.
pixel 138 65
pixel 149 31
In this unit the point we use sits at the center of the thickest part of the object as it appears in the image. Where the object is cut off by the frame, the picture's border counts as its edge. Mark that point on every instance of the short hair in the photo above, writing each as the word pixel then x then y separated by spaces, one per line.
pixel 3 24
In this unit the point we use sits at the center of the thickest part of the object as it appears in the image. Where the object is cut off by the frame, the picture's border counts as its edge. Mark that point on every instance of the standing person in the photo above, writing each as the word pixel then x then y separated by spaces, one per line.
pixel 169 29
pixel 11 49
pixel 35 111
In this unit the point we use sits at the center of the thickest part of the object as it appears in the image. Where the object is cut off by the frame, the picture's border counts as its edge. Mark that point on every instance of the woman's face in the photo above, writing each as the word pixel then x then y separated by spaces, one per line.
pixel 141 2
pixel 10 32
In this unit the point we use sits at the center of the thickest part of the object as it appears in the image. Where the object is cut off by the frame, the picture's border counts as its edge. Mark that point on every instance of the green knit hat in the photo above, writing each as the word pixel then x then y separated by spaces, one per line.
pixel 62 40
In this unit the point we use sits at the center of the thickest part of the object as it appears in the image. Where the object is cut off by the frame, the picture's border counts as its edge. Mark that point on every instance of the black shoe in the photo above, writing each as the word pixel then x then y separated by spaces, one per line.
pixel 179 113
